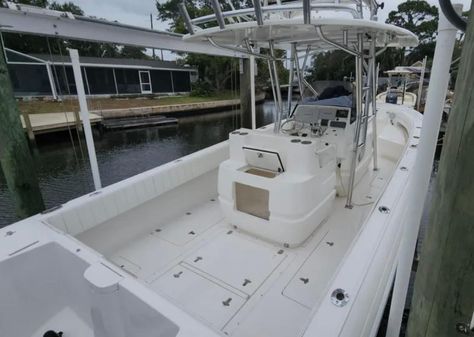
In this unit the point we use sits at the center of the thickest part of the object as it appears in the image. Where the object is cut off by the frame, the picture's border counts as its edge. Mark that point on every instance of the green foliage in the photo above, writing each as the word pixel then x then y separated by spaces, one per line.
pixel 262 79
pixel 169 12
pixel 37 3
pixel 201 89
pixel 214 72
pixel 133 53
pixel 217 73
pixel 220 73
pixel 332 65
pixel 67 7
pixel 419 17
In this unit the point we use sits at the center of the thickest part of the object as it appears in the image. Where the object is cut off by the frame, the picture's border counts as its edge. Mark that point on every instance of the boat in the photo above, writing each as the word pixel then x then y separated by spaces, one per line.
pixel 397 93
pixel 291 229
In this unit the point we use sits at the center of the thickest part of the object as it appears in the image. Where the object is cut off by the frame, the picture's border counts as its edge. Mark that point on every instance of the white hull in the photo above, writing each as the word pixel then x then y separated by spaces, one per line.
pixel 156 249
pixel 409 100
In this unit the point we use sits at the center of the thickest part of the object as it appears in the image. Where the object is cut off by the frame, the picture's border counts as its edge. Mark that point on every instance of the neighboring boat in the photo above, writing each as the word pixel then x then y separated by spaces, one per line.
pixel 395 95
pixel 396 92
pixel 292 229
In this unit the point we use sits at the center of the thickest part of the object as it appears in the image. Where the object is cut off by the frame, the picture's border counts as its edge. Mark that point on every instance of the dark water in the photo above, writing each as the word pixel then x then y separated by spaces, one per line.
pixel 63 168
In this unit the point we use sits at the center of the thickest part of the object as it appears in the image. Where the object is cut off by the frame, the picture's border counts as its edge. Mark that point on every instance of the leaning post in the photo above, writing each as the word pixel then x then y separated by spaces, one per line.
pixel 443 301
pixel 15 157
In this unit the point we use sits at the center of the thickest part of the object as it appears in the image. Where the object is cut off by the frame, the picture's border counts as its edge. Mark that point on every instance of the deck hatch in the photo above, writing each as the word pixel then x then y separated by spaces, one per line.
pixel 199 296
pixel 264 159
pixel 237 261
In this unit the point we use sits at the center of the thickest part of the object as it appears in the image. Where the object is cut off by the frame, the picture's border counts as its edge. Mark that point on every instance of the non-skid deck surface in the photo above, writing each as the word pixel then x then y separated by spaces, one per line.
pixel 241 285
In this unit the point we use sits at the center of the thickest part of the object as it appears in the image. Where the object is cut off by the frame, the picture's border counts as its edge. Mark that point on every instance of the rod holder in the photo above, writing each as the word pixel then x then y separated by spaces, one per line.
pixel 307 12
pixel 187 19
pixel 258 12
pixel 217 10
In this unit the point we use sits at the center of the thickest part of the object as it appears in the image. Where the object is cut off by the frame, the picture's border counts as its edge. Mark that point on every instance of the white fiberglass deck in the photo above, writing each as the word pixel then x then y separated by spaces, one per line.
pixel 166 229
pixel 234 282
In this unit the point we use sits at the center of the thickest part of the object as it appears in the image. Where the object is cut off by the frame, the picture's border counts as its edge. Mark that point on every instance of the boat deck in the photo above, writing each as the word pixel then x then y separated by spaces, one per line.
pixel 238 284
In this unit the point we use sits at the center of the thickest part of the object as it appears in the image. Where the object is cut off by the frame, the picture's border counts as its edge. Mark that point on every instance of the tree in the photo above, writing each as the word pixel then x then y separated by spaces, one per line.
pixel 421 18
pixel 66 7
pixel 218 72
pixel 133 53
pixel 37 3
pixel 332 65
pixel 215 71
pixel 43 45
pixel 169 11
pixel 417 16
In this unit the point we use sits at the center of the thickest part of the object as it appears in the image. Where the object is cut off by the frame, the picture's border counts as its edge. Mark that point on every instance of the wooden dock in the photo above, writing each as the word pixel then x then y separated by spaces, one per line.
pixel 55 121
pixel 40 123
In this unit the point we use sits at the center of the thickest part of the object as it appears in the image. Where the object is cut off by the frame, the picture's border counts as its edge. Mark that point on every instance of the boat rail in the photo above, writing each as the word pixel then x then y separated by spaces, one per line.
pixel 272 9
pixel 259 13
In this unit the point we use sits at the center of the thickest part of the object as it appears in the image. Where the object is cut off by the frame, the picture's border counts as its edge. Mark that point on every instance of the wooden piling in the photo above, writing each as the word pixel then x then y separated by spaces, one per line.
pixel 77 120
pixel 245 94
pixel 29 128
pixel 443 301
pixel 15 157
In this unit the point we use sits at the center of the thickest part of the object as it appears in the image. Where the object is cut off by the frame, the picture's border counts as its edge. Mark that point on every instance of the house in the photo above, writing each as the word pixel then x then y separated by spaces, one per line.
pixel 52 75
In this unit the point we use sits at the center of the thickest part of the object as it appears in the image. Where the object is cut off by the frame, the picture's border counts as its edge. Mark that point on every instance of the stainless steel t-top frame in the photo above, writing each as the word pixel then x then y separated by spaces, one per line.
pixel 363 93
pixel 258 12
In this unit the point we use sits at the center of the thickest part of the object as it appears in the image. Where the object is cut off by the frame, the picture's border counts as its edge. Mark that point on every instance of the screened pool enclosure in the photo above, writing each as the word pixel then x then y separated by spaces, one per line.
pixel 52 75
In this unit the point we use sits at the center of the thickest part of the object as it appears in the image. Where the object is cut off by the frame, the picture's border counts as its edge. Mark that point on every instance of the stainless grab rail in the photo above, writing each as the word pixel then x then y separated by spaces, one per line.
pixel 276 8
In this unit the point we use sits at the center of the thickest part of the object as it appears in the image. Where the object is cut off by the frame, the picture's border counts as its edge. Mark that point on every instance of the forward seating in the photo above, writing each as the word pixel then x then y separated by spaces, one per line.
pixel 91 210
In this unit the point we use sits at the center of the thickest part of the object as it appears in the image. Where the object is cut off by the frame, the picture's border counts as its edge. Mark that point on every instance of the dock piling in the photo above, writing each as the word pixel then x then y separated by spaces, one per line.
pixel 15 157
pixel 246 94
pixel 443 300
pixel 28 126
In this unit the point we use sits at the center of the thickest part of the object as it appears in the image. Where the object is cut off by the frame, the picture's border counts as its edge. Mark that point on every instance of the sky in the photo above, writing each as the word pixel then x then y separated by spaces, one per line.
pixel 137 12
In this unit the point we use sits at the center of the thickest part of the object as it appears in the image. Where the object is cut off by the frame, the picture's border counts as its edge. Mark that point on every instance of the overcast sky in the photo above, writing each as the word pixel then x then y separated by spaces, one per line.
pixel 137 12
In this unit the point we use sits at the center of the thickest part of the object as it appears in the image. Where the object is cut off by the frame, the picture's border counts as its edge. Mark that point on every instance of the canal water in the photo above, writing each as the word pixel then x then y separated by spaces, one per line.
pixel 63 168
